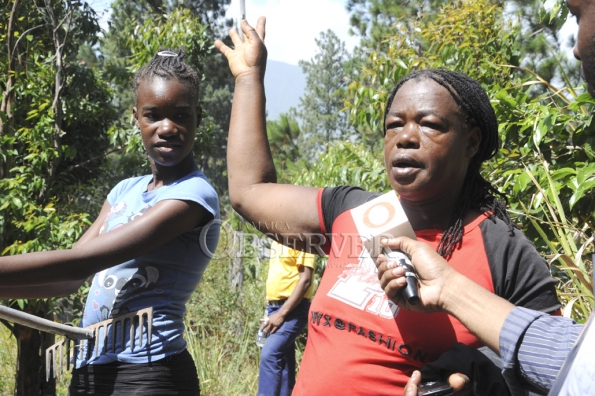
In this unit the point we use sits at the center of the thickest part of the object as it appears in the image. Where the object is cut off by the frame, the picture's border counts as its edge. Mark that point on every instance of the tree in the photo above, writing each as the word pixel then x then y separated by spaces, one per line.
pixel 374 21
pixel 284 136
pixel 321 106
pixel 473 47
pixel 54 115
pixel 540 43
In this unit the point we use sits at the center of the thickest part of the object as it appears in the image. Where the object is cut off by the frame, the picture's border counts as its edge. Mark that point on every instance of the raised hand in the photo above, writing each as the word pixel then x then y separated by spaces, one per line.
pixel 249 56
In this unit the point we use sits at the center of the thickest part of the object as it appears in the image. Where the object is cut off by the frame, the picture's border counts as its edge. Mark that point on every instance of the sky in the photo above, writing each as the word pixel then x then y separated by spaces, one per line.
pixel 293 25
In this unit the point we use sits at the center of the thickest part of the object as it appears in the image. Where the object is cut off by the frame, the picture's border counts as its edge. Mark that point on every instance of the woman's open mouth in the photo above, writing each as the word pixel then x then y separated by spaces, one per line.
pixel 404 166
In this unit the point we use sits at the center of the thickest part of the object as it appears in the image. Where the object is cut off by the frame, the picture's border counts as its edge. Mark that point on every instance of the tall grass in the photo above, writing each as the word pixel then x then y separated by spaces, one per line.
pixel 546 168
pixel 226 364
pixel 569 243
pixel 222 320
pixel 8 353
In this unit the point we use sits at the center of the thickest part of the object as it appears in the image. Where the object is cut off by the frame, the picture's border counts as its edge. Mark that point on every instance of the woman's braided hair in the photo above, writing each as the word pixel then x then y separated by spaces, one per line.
pixel 476 193
pixel 167 63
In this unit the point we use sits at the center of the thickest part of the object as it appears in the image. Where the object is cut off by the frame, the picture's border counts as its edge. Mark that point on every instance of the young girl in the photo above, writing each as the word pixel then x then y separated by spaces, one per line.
pixel 148 247
pixel 439 128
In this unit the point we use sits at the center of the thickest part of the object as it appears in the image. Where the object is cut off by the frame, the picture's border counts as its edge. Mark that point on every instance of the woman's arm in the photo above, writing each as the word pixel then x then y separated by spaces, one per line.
pixel 94 252
pixel 253 190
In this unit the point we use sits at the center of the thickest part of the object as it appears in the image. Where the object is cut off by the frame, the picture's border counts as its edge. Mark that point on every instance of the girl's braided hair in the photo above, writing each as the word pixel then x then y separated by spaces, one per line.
pixel 167 63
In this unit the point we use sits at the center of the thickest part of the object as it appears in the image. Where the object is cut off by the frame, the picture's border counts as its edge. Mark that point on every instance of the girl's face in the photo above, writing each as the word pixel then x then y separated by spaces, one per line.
pixel 427 147
pixel 167 114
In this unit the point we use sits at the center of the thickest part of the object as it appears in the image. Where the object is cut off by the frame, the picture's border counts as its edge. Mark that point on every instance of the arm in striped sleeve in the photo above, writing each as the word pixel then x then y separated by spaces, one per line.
pixel 533 346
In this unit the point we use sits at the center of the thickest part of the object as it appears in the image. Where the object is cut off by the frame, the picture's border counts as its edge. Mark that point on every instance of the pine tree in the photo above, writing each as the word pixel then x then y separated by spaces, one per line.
pixel 321 106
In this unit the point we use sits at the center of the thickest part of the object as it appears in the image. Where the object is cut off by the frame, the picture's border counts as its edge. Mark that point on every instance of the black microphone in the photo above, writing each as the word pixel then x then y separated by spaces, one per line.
pixel 410 290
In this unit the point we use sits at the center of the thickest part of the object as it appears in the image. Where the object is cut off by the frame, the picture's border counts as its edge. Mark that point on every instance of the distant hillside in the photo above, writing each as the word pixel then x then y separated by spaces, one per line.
pixel 283 84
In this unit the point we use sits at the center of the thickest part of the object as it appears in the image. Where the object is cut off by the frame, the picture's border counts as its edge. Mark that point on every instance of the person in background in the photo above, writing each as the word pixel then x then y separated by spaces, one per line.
pixel 289 289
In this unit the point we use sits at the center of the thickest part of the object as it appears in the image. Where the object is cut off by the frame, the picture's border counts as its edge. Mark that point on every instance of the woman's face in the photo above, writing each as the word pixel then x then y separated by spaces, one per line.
pixel 167 115
pixel 427 147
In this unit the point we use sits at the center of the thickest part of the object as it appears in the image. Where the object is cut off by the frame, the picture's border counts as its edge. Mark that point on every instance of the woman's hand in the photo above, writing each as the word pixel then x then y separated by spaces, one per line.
pixel 433 272
pixel 249 57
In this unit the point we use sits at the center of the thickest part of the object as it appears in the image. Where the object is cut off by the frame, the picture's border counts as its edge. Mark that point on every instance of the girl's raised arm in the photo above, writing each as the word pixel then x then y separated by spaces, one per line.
pixel 283 209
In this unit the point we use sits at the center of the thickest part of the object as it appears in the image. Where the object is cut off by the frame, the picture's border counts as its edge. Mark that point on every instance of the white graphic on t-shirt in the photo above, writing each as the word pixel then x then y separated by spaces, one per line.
pixel 359 287
pixel 112 290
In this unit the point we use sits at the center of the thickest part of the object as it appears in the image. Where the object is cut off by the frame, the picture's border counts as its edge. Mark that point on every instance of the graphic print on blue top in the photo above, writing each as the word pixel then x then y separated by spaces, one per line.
pixel 163 278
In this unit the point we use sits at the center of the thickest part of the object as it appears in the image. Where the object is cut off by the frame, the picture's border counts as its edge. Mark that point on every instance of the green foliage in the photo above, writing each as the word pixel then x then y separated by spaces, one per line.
pixel 374 21
pixel 137 30
pixel 540 40
pixel 321 106
pixel 50 230
pixel 467 36
pixel 222 321
pixel 284 137
pixel 545 165
pixel 347 164
pixel 54 114
pixel 179 29
pixel 546 168
pixel 7 362
pixel 42 162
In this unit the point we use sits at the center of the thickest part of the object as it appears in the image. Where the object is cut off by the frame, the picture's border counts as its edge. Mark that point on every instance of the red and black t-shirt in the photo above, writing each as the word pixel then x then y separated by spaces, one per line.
pixel 360 343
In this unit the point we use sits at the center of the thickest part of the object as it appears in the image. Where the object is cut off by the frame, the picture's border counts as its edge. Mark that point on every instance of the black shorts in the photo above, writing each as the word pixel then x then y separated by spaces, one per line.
pixel 172 376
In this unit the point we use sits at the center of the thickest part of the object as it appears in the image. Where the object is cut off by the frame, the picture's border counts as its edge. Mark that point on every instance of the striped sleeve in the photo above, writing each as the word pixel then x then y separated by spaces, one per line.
pixel 533 346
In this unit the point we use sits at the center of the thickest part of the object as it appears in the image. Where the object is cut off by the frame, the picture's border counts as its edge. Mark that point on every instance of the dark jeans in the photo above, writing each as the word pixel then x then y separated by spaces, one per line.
pixel 172 376
pixel 277 358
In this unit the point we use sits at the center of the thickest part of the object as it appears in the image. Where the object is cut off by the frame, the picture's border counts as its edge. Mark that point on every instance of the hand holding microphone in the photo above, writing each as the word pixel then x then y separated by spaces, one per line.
pixel 435 283
pixel 409 292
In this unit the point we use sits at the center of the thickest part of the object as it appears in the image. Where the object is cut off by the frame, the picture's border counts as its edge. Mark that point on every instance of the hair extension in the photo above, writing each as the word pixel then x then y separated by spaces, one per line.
pixel 167 63
pixel 476 193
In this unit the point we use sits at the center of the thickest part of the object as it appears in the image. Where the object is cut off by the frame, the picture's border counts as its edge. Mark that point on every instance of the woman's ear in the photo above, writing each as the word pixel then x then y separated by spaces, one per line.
pixel 474 141
pixel 135 114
